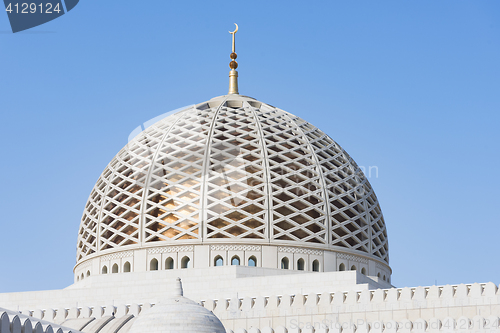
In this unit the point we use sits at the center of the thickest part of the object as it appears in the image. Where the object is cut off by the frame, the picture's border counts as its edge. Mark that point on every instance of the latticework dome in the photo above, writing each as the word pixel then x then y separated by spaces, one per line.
pixel 233 170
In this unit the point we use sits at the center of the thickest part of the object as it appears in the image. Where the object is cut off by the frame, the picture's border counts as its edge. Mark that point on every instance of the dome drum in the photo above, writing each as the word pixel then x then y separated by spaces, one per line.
pixel 232 171
pixel 203 256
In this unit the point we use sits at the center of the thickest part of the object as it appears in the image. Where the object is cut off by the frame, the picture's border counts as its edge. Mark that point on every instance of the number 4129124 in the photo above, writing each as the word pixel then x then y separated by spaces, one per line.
pixel 32 8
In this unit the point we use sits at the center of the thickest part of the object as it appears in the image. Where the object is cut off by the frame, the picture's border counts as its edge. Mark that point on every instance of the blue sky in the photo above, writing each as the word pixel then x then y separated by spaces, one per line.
pixel 411 87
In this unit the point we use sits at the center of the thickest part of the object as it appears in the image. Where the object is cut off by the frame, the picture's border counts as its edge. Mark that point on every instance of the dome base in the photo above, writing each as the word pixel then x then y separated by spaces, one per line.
pixel 286 257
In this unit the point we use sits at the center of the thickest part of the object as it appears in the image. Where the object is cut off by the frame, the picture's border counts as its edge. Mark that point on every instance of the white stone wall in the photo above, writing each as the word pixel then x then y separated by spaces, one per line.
pixel 202 283
pixel 460 308
pixel 268 300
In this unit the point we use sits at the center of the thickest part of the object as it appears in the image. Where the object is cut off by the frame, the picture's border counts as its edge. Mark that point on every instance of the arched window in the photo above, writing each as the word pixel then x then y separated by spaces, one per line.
pixel 185 262
pixel 153 265
pixel 114 269
pixel 353 268
pixel 169 263
pixel 81 277
pixel 342 267
pixel 384 277
pixel 104 270
pixel 88 273
pixel 218 261
pixel 300 264
pixel 77 278
pixel 378 275
pixel 315 266
pixel 235 261
pixel 363 271
pixel 252 261
pixel 126 267
pixel 284 263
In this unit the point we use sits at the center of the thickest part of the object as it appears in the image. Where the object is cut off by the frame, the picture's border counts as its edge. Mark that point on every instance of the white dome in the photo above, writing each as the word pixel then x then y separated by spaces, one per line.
pixel 233 170
pixel 177 314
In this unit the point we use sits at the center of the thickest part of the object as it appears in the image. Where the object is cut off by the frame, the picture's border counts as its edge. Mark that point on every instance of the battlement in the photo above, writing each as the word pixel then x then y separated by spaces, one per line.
pixel 463 307
pixel 15 322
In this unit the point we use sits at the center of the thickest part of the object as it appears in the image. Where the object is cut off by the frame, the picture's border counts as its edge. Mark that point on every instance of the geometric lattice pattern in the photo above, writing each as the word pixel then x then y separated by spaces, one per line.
pixel 232 170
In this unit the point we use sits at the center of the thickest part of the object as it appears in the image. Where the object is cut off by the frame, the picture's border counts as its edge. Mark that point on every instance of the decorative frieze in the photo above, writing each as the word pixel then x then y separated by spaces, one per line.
pixel 118 255
pixel 352 258
pixel 170 249
pixel 381 267
pixel 85 265
pixel 235 247
pixel 299 250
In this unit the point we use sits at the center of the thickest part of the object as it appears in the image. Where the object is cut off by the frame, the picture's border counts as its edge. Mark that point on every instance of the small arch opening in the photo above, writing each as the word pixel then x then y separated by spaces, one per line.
pixel 126 267
pixel 169 263
pixel 315 266
pixel 77 278
pixel 384 277
pixel 363 271
pixel 378 275
pixel 252 261
pixel 88 273
pixel 218 261
pixel 353 268
pixel 342 267
pixel 300 264
pixel 104 270
pixel 235 261
pixel 285 263
pixel 186 262
pixel 114 269
pixel 153 264
pixel 82 277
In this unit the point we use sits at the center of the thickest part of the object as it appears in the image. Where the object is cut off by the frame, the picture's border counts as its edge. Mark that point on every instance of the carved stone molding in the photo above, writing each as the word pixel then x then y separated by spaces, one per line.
pixel 118 255
pixel 171 249
pixel 235 247
pixel 299 250
pixel 85 265
pixel 352 258
pixel 382 267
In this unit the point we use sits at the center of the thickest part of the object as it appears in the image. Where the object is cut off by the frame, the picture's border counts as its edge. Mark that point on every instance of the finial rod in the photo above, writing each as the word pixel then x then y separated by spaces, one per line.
pixel 234 33
pixel 233 74
pixel 178 288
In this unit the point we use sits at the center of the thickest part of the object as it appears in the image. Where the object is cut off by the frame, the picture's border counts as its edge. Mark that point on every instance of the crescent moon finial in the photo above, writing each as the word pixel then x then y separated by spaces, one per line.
pixel 235 31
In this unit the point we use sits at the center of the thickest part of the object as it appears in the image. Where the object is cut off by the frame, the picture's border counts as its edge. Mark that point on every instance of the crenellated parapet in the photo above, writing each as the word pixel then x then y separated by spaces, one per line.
pixel 24 322
pixel 448 308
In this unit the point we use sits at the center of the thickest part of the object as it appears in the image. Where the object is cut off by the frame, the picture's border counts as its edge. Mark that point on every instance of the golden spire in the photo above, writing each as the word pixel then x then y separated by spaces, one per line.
pixel 233 74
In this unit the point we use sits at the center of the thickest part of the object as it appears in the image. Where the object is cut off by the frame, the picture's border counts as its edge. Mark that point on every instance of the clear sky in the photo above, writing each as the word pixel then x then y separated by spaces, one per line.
pixel 411 87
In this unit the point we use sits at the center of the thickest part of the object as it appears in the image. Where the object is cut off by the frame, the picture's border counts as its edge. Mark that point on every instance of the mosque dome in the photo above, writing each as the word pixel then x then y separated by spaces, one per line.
pixel 177 314
pixel 231 173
